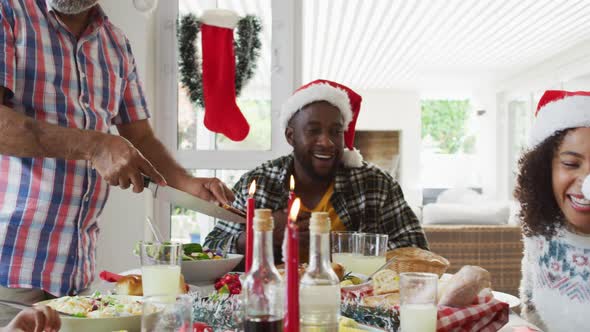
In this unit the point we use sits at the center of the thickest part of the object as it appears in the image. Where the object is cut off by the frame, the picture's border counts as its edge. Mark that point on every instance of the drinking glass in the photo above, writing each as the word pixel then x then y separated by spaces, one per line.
pixel 160 268
pixel 359 253
pixel 371 249
pixel 418 302
pixel 162 315
pixel 343 246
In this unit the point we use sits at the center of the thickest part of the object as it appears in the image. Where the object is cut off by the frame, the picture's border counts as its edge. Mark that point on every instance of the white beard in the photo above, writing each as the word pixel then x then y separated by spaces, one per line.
pixel 72 7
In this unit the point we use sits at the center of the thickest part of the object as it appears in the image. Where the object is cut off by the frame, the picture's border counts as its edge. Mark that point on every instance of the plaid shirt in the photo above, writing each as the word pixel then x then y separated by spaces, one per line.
pixel 366 199
pixel 49 207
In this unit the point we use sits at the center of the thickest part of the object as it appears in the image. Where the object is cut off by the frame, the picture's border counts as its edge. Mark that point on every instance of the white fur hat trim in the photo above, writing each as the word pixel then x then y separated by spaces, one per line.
pixel 222 18
pixel 313 93
pixel 570 112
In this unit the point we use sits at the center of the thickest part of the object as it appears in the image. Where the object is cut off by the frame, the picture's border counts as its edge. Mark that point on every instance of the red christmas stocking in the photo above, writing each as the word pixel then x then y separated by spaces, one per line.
pixel 222 115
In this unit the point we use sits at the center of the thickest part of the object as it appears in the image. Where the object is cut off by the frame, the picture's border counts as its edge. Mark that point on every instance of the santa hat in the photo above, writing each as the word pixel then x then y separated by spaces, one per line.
pixel 342 97
pixel 560 110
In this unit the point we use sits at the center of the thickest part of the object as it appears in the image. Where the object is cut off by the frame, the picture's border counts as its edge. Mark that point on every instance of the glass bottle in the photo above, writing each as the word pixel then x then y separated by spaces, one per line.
pixel 319 292
pixel 263 286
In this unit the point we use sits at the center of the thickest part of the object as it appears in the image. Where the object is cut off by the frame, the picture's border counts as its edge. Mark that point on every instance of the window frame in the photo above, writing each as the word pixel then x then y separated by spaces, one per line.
pixel 285 76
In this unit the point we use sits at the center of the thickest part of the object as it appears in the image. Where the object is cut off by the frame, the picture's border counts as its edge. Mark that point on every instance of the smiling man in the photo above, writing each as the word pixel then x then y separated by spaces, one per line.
pixel 330 175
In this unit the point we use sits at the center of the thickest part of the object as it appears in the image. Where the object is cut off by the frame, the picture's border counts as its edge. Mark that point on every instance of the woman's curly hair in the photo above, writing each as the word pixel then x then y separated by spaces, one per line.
pixel 539 214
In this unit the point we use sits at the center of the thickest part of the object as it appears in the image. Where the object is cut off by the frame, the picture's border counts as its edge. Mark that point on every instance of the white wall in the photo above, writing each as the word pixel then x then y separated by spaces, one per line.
pixel 563 67
pixel 397 110
pixel 122 220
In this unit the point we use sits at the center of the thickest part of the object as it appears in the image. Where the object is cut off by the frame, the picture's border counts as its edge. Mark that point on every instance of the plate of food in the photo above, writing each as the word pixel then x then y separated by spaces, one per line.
pixel 99 312
pixel 202 265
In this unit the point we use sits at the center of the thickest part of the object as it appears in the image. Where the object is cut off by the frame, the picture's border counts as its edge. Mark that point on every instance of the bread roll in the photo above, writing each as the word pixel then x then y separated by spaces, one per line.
pixel 385 281
pixel 463 287
pixel 131 285
pixel 382 301
pixel 339 270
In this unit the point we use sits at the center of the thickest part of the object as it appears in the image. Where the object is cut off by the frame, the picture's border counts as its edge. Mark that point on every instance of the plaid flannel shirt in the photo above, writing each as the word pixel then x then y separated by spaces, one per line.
pixel 366 199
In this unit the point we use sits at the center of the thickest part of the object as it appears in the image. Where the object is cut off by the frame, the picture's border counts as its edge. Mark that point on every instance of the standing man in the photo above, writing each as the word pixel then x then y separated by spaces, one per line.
pixel 330 176
pixel 66 76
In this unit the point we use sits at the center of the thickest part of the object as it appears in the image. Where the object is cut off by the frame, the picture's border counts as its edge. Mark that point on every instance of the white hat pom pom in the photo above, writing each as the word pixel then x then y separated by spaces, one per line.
pixel 352 158
pixel 586 187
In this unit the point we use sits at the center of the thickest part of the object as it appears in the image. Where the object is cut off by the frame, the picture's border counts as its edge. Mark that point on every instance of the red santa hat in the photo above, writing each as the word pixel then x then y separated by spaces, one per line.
pixel 342 97
pixel 560 110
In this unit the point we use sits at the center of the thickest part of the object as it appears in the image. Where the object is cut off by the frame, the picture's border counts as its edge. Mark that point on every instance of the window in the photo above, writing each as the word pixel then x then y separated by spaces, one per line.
pixel 182 130
pixel 521 110
pixel 190 226
pixel 449 146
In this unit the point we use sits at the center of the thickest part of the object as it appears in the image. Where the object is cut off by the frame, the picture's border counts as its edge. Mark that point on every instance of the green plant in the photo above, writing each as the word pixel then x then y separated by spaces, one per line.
pixel 445 121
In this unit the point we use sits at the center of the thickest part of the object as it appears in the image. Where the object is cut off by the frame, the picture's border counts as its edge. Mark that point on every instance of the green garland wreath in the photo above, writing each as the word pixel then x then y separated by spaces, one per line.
pixel 246 45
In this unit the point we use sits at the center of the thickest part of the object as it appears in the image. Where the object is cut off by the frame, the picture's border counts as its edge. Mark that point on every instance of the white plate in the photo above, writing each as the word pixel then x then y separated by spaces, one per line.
pixel 512 300
pixel 74 324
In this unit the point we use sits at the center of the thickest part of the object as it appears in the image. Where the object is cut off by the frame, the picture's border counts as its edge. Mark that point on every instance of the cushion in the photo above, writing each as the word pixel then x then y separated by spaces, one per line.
pixel 494 213
pixel 460 196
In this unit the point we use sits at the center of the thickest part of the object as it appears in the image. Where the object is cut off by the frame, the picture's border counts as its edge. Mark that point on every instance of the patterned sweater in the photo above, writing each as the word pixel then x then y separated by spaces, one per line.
pixel 555 288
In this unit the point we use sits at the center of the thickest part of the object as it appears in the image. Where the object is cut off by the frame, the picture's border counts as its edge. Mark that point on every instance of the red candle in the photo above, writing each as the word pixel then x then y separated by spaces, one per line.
pixel 291 192
pixel 250 205
pixel 292 316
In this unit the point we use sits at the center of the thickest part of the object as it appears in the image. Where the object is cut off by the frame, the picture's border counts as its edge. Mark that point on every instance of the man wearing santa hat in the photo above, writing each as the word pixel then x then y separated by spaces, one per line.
pixel 330 175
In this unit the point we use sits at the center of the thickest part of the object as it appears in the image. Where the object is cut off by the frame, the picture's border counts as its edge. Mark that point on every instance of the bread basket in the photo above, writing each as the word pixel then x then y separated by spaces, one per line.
pixel 412 259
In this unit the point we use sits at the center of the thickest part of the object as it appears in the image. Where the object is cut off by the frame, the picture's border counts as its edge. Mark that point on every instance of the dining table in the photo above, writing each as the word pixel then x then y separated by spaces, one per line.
pixel 515 322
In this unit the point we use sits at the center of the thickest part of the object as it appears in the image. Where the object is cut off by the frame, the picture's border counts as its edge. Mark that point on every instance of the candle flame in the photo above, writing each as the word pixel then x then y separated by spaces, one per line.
pixel 252 189
pixel 292 183
pixel 294 210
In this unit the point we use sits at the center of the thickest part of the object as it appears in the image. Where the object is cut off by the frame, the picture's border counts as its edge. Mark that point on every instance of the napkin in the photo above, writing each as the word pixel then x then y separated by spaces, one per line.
pixel 487 314
pixel 109 276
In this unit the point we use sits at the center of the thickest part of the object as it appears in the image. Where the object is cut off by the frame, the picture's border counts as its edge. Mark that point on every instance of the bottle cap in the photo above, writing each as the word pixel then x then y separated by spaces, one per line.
pixel 319 222
pixel 263 221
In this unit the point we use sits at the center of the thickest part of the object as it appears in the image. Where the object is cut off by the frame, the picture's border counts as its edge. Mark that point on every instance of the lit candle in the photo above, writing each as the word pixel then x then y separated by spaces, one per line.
pixel 292 317
pixel 291 192
pixel 250 205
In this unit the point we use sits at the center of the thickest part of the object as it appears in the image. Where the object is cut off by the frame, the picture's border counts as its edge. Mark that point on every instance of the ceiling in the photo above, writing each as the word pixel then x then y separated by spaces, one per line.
pixel 383 44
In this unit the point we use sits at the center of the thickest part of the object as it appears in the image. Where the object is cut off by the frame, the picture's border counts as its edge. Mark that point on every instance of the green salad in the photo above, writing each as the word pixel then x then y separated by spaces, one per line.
pixel 195 252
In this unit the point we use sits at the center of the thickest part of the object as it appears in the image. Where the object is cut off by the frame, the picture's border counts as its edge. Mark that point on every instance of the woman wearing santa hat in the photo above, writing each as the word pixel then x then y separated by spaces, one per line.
pixel 553 188
pixel 330 175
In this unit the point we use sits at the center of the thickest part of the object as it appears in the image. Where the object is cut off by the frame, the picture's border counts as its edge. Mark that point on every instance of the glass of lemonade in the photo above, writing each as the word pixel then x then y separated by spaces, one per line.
pixel 418 302
pixel 343 246
pixel 160 268
pixel 360 253
pixel 370 252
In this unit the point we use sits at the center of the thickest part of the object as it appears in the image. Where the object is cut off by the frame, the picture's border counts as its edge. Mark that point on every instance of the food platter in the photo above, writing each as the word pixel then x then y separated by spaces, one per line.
pixel 75 324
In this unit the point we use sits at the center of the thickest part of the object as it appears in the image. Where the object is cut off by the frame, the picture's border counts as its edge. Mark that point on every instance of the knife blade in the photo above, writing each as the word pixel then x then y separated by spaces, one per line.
pixel 191 202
